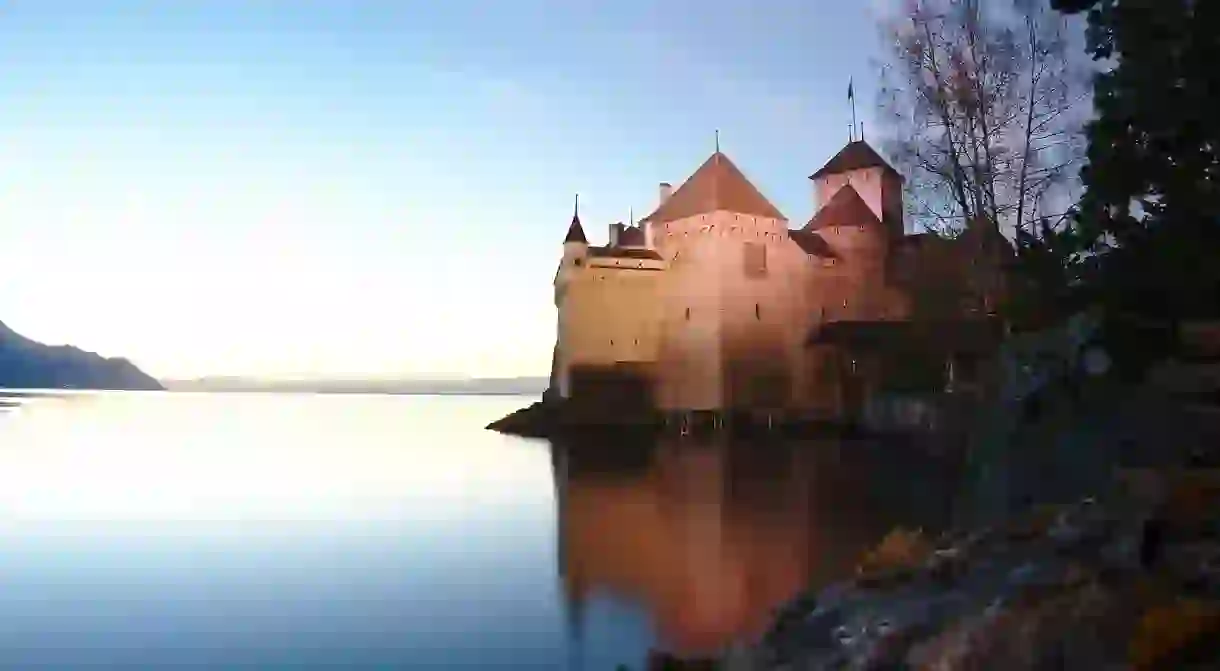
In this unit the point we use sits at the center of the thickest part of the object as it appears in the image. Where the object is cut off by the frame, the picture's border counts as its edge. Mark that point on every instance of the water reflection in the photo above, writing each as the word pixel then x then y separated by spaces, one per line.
pixel 291 531
pixel 711 537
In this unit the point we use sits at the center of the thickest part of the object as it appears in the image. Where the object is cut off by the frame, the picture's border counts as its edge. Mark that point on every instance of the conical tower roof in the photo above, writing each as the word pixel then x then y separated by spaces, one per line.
pixel 857 155
pixel 576 232
pixel 717 185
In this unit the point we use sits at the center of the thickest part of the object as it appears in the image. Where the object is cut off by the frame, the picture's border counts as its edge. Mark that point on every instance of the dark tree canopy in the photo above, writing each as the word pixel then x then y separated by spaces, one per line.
pixel 1152 199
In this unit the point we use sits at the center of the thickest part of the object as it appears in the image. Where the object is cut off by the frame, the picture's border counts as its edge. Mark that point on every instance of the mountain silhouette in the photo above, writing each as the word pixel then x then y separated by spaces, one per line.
pixel 26 364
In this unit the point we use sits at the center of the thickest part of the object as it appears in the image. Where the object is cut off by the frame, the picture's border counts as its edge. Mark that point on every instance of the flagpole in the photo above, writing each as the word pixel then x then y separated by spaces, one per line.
pixel 851 96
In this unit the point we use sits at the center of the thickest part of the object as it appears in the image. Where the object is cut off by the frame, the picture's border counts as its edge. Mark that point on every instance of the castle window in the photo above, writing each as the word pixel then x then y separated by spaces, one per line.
pixel 844 302
pixel 754 256
pixel 580 262
pixel 687 314
pixel 636 341
pixel 612 341
pixel 757 311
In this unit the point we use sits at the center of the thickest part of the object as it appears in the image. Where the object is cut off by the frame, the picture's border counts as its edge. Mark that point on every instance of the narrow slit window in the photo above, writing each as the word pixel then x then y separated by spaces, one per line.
pixel 757 311
pixel 687 314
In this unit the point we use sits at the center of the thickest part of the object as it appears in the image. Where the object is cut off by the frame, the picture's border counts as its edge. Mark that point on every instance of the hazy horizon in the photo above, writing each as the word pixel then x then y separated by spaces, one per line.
pixel 270 189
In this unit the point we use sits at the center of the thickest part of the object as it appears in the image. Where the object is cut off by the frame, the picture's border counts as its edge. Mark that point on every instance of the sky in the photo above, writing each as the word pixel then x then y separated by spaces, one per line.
pixel 320 187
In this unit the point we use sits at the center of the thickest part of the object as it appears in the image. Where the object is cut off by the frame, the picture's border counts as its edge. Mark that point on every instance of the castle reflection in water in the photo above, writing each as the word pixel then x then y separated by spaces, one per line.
pixel 710 537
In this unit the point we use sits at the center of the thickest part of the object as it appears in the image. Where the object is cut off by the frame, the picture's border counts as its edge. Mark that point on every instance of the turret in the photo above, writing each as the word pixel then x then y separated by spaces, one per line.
pixel 859 166
pixel 575 244
pixel 575 250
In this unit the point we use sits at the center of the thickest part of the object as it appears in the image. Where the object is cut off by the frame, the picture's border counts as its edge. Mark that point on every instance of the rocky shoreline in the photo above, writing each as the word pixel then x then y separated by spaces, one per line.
pixel 553 419
pixel 1128 581
pixel 549 418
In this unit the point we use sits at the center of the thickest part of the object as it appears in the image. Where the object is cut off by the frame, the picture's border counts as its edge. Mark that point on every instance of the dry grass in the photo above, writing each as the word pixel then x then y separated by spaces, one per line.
pixel 901 550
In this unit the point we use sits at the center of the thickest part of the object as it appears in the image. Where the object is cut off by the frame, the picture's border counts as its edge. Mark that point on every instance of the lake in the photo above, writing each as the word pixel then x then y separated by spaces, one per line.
pixel 265 531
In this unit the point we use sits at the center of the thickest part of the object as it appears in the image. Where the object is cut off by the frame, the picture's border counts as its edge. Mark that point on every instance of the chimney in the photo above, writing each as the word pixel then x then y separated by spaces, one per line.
pixel 666 191
pixel 615 229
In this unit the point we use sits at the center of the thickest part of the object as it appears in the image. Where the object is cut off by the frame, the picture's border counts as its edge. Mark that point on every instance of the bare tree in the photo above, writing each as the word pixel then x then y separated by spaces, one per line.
pixel 984 105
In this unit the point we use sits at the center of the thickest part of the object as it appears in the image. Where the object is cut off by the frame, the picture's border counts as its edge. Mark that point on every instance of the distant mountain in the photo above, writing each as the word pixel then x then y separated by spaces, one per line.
pixel 26 364
pixel 473 386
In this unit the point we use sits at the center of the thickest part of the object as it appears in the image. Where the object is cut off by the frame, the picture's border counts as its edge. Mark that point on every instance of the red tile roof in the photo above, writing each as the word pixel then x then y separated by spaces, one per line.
pixel 717 185
pixel 811 243
pixel 846 208
pixel 856 155
pixel 631 236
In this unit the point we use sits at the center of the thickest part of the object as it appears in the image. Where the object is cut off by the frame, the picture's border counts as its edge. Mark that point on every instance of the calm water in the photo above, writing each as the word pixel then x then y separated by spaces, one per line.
pixel 145 530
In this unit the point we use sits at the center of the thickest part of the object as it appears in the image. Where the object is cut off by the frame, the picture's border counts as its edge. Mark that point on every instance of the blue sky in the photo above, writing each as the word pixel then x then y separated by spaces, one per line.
pixel 327 187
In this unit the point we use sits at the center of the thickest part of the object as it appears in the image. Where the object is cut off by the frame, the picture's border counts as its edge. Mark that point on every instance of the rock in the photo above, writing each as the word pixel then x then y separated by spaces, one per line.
pixel 946 565
pixel 895 559
pixel 794 611
pixel 1169 628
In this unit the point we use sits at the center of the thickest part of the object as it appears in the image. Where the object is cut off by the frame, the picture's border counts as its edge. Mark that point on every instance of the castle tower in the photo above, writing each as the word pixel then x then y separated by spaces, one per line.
pixel 575 242
pixel 724 296
pixel 575 252
pixel 878 184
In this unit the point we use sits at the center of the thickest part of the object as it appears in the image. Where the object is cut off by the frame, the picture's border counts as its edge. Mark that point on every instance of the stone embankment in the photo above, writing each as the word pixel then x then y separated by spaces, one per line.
pixel 1129 580
pixel 1132 582
pixel 550 418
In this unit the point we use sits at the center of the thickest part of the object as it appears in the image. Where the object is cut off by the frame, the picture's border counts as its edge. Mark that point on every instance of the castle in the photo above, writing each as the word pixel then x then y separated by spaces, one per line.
pixel 713 303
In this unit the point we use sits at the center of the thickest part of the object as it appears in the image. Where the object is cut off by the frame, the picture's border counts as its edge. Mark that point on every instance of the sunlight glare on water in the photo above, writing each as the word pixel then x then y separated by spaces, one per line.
pixel 261 531
pixel 258 457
